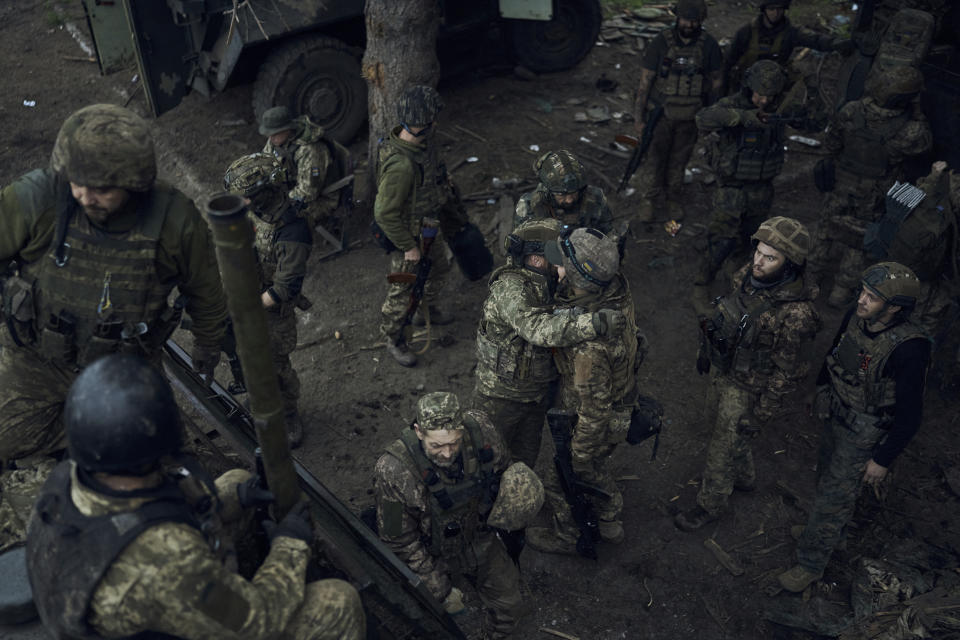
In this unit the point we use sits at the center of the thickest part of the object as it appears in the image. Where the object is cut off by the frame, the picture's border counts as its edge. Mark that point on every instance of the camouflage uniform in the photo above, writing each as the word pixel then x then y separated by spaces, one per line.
pixel 870 143
pixel 167 580
pixel 592 209
pixel 438 542
pixel 763 366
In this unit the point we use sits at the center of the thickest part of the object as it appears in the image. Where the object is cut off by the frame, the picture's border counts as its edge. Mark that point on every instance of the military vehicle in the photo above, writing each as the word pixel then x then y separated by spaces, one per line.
pixel 306 53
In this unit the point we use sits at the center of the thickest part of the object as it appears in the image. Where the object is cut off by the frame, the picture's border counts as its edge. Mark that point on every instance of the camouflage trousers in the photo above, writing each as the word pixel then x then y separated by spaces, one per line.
pixel 933 303
pixel 738 209
pixel 282 327
pixel 837 243
pixel 729 457
pixel 520 424
pixel 843 455
pixel 487 565
pixel 18 491
pixel 331 610
pixel 398 294
pixel 590 458
pixel 667 157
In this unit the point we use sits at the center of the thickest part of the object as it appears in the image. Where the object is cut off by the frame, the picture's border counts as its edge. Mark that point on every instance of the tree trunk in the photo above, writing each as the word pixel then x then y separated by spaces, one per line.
pixel 401 52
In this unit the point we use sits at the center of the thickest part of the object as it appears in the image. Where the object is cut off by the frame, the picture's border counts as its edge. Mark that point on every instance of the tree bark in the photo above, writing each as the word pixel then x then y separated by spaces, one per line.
pixel 401 52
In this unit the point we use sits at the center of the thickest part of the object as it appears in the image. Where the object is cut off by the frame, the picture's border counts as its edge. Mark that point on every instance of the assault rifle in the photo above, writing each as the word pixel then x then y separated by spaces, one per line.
pixel 418 279
pixel 641 149
pixel 229 347
pixel 574 490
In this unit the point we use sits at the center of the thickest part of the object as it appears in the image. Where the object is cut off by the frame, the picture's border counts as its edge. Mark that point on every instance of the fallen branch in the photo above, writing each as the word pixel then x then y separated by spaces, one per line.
pixel 469 133
pixel 559 634
pixel 723 557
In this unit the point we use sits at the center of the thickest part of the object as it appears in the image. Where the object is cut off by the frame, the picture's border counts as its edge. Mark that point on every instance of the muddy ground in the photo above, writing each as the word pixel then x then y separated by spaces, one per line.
pixel 660 583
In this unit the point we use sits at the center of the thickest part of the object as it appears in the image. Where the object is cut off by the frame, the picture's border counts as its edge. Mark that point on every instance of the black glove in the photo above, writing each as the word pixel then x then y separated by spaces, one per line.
pixel 205 361
pixel 608 322
pixel 703 362
pixel 295 524
pixel 251 494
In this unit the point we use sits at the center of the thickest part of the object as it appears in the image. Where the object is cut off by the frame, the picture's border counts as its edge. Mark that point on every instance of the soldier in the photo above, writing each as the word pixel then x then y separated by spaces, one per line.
pixel 436 487
pixel 412 187
pixel 563 194
pixel 870 398
pixel 754 346
pixel 599 383
pixel 515 368
pixel 869 140
pixel 145 549
pixel 771 36
pixel 306 159
pixel 747 156
pixel 98 244
pixel 283 243
pixel 682 71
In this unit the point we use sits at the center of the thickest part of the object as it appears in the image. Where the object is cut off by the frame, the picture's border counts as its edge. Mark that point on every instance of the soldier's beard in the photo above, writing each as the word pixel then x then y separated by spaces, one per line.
pixel 442 462
pixel 98 215
pixel 689 32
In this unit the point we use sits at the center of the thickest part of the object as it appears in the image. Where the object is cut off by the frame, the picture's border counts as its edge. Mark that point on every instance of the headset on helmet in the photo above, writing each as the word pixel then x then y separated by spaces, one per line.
pixel 531 238
pixel 896 284
pixel 560 172
pixel 258 177
pixel 786 235
pixel 590 258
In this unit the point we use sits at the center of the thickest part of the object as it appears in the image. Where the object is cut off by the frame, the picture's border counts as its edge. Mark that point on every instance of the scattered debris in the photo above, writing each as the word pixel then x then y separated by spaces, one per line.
pixel 605 84
pixel 29 103
pixel 472 159
pixel 469 133
pixel 810 142
pixel 559 634
pixel 723 557
pixel 508 183
pixel 534 147
pixel 672 227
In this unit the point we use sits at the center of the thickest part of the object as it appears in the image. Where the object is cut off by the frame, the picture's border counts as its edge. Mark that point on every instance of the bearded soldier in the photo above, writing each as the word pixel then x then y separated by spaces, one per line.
pixel 869 140
pixel 563 194
pixel 412 188
pixel 283 243
pixel 98 244
pixel 754 345
pixel 598 384
pixel 747 155
pixel 515 368
pixel 120 547
pixel 442 506
pixel 681 72
pixel 870 398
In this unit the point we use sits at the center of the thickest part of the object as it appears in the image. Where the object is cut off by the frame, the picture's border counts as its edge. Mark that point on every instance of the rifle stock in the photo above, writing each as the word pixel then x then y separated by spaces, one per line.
pixel 641 149
pixel 418 280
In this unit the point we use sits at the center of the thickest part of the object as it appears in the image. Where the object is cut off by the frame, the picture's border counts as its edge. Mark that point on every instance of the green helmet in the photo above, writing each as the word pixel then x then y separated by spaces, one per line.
pixel 531 238
pixel 419 106
pixel 519 499
pixel 895 283
pixel 590 258
pixel 439 410
pixel 787 236
pixel 259 177
pixel 275 120
pixel 105 145
pixel 691 10
pixel 560 172
pixel 765 77
pixel 893 86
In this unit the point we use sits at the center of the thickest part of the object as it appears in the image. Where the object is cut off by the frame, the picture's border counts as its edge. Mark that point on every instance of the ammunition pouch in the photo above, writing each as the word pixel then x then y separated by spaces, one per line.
pixel 825 174
pixel 470 251
pixel 382 240
pixel 857 421
pixel 18 311
pixel 646 420
pixel 57 339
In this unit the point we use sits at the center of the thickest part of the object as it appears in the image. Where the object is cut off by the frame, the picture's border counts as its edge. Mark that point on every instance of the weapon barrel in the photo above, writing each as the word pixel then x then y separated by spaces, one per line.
pixel 233 238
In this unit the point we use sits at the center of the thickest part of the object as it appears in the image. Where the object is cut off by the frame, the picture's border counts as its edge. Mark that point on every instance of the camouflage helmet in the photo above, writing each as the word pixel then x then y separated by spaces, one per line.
pixel 892 86
pixel 765 77
pixel 439 410
pixel 787 236
pixel 560 172
pixel 519 499
pixel 419 106
pixel 895 283
pixel 531 238
pixel 590 259
pixel 258 176
pixel 276 119
pixel 105 145
pixel 691 10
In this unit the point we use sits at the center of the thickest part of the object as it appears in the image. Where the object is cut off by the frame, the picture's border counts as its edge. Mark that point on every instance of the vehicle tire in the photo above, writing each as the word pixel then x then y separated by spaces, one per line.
pixel 560 43
pixel 315 76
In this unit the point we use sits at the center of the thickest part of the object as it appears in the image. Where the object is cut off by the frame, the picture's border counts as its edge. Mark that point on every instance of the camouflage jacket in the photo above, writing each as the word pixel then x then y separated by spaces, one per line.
pixel 397 484
pixel 783 331
pixel 592 210
pixel 283 249
pixel 599 375
pixel 516 333
pixel 169 581
pixel 305 159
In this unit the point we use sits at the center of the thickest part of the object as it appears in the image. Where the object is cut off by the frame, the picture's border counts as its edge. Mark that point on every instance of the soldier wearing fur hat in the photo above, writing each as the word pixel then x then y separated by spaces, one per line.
pixel 754 345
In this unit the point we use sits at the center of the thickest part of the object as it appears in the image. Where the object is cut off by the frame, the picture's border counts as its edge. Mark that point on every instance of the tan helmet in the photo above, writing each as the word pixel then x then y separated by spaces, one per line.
pixel 895 283
pixel 765 77
pixel 105 145
pixel 786 235
pixel 531 238
pixel 519 499
pixel 590 258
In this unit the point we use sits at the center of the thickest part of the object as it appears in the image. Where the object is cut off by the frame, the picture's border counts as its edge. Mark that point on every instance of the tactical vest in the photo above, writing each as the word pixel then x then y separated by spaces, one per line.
pixel 430 190
pixel 309 133
pixel 764 47
pixel 752 155
pixel 106 296
pixel 736 341
pixel 864 152
pixel 681 81
pixel 457 508
pixel 856 368
pixel 516 363
pixel 68 553
pixel 589 213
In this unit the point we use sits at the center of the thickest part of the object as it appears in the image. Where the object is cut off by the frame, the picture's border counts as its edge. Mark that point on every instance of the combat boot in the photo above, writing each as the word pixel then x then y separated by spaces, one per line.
pixel 551 540
pixel 798 578
pixel 693 519
pixel 294 429
pixel 645 210
pixel 401 353
pixel 797 530
pixel 611 531
pixel 437 317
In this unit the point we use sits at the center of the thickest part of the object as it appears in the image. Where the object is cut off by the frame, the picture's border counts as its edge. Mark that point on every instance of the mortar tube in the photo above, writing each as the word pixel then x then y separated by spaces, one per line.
pixel 233 239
